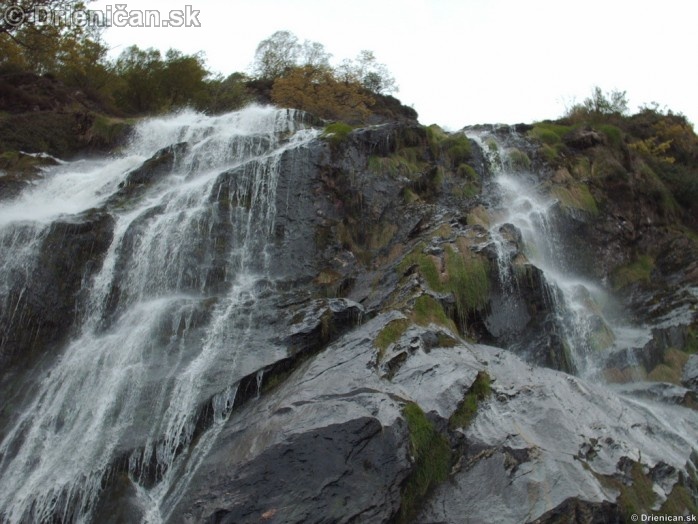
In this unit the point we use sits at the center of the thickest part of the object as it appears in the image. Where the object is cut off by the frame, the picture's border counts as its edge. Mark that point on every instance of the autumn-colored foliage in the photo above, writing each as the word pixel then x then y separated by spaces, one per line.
pixel 319 92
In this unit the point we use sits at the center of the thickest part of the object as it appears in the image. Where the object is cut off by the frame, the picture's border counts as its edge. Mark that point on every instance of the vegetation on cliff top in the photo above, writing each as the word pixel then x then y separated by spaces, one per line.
pixel 62 72
pixel 611 154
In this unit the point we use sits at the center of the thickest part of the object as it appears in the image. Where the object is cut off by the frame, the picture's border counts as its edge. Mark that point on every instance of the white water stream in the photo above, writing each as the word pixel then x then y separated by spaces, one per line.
pixel 157 340
pixel 579 304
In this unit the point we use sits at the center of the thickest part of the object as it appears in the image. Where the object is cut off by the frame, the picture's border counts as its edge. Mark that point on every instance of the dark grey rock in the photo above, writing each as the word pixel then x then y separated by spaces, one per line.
pixel 42 306
pixel 690 374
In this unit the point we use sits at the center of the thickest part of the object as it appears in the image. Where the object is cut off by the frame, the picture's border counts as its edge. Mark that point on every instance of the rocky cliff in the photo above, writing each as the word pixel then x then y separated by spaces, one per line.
pixel 406 351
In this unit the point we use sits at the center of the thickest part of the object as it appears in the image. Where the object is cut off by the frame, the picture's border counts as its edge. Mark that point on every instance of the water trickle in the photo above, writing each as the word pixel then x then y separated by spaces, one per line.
pixel 172 312
pixel 524 231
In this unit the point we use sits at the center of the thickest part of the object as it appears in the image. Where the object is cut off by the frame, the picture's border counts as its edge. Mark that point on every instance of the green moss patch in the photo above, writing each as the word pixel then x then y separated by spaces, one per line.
pixel 549 133
pixel 671 369
pixel 394 165
pixel 336 133
pixel 466 276
pixel 518 159
pixel 468 280
pixel 428 310
pixel 390 334
pixel 432 462
pixel 467 409
pixel 576 196
pixel 639 270
pixel 638 497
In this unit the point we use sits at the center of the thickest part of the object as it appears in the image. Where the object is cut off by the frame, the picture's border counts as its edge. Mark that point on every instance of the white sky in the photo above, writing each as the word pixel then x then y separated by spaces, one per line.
pixel 460 62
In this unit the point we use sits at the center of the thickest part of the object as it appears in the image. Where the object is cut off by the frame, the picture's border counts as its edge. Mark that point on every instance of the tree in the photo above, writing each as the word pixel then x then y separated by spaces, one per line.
pixel 313 54
pixel 148 83
pixel 614 102
pixel 373 75
pixel 38 34
pixel 224 94
pixel 275 55
pixel 22 15
pixel 139 89
pixel 318 91
pixel 182 77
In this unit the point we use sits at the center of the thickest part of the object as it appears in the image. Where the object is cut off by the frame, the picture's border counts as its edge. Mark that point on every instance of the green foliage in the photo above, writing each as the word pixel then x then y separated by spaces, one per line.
pixel 639 270
pixel 466 277
pixel 282 53
pixel 409 196
pixel 653 186
pixel 468 280
pixel 390 334
pixel 435 136
pixel 467 409
pixel 224 94
pixel 637 497
pixel 106 132
pixel 600 104
pixel 276 55
pixel 470 186
pixel 370 73
pixel 16 163
pixel 320 92
pixel 467 171
pixel 613 134
pixel 427 311
pixel 150 84
pixel 336 133
pixel 457 149
pixel 518 159
pixel 549 133
pixel 394 165
pixel 432 459
pixel 426 265
pixel 576 196
pixel 671 368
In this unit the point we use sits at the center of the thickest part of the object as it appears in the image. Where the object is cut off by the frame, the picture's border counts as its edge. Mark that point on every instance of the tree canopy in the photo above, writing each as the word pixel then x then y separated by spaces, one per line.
pixel 285 70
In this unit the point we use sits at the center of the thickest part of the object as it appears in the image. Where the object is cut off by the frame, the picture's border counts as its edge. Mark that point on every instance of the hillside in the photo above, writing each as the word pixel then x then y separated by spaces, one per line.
pixel 276 318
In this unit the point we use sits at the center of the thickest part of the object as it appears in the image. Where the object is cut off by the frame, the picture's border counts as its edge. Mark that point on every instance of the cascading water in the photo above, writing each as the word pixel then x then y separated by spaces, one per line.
pixel 170 317
pixel 523 223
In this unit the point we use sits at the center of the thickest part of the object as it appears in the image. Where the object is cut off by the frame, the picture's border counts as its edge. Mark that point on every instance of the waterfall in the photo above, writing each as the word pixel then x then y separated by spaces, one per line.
pixel 170 317
pixel 524 222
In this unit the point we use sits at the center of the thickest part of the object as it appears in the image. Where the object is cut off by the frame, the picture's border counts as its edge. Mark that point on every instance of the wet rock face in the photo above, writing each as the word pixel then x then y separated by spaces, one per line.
pixel 690 374
pixel 42 308
pixel 331 442
pixel 327 444
pixel 318 432
pixel 338 473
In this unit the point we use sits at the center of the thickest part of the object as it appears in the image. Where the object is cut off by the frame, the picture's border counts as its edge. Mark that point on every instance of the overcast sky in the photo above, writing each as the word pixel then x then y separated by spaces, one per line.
pixel 460 62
